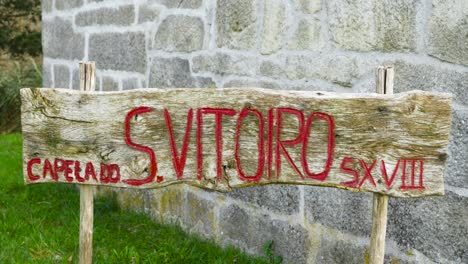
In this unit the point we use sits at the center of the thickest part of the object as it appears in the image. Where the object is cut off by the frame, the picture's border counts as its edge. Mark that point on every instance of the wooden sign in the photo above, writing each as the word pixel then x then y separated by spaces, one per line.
pixel 229 138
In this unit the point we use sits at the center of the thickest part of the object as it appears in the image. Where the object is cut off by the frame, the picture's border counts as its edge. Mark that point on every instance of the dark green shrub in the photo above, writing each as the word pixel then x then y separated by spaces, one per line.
pixel 27 74
pixel 20 32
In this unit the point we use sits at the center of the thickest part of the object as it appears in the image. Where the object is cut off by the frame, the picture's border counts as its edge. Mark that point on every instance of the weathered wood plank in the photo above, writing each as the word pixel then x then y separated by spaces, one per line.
pixel 70 136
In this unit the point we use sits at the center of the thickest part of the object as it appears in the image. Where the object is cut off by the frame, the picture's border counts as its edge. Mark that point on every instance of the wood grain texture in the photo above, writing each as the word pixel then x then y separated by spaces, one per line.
pixel 379 228
pixel 384 85
pixel 87 84
pixel 86 224
pixel 89 127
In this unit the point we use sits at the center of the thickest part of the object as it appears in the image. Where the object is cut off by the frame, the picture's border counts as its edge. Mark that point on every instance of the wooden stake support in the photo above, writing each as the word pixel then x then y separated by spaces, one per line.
pixel 384 85
pixel 87 83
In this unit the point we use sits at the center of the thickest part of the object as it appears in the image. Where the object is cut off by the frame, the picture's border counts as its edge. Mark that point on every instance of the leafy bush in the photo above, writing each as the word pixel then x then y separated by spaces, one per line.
pixel 20 75
pixel 20 32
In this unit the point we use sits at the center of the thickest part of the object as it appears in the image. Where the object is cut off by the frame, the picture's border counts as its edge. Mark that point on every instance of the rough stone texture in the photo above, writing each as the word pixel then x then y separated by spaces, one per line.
pixel 75 79
pixel 365 85
pixel 250 232
pixel 46 5
pixel 418 76
pixel 307 36
pixel 308 6
pixel 191 4
pixel 47 75
pixel 121 16
pixel 118 51
pixel 199 215
pixel 335 250
pixel 277 198
pixel 251 83
pixel 147 13
pixel 109 84
pixel 224 64
pixel 435 226
pixel 273 69
pixel 167 205
pixel 178 204
pixel 129 199
pixel 180 33
pixel 174 72
pixel 448 31
pixel 335 247
pixel 396 24
pixel 339 69
pixel 61 76
pixel 59 40
pixel 130 83
pixel 67 4
pixel 456 173
pixel 316 85
pixel 351 24
pixel 366 25
pixel 274 26
pixel 339 209
pixel 236 24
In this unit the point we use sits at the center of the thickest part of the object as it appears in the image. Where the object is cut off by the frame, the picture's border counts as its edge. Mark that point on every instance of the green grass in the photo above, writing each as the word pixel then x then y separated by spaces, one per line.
pixel 40 224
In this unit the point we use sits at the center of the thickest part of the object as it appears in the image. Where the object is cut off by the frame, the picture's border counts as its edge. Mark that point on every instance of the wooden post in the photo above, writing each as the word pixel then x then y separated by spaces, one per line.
pixel 384 85
pixel 87 83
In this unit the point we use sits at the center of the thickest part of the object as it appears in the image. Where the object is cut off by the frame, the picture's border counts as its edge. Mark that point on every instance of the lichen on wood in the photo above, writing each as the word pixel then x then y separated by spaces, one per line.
pixel 372 134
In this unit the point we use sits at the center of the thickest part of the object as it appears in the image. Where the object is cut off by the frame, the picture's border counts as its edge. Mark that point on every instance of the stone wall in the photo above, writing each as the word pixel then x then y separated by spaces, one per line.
pixel 332 45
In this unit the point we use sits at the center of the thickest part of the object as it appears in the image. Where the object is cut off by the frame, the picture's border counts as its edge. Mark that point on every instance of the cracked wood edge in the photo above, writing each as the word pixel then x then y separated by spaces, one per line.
pixel 89 127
